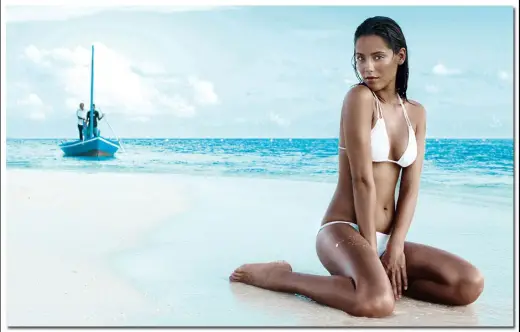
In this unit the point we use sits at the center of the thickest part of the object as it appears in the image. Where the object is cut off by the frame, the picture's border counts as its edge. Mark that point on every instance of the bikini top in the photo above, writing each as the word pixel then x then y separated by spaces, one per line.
pixel 380 143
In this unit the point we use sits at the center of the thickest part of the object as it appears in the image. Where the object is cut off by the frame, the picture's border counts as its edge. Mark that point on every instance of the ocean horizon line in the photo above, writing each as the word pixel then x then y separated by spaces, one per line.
pixel 249 138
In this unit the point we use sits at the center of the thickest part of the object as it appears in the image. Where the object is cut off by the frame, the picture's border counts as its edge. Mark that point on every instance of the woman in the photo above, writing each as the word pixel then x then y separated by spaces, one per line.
pixel 362 238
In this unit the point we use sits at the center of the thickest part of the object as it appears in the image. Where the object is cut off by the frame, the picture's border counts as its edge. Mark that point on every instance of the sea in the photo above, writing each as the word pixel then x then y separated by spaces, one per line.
pixel 477 169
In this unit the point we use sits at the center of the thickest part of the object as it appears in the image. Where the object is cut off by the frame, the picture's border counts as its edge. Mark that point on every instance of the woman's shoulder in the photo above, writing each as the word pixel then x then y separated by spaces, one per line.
pixel 359 94
pixel 358 104
pixel 415 109
pixel 416 112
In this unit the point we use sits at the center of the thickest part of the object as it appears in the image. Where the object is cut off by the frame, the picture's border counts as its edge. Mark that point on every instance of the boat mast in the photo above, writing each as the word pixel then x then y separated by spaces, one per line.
pixel 91 120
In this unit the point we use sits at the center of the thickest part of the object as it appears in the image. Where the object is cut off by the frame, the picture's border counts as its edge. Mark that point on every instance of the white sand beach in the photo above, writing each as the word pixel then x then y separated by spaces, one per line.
pixel 114 249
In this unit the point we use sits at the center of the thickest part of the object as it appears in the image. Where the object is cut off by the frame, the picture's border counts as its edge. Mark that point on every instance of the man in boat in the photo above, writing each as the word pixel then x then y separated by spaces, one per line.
pixel 96 118
pixel 80 114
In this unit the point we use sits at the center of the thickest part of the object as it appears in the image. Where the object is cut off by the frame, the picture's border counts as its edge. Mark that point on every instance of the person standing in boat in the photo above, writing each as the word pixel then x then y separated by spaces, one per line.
pixel 96 117
pixel 80 114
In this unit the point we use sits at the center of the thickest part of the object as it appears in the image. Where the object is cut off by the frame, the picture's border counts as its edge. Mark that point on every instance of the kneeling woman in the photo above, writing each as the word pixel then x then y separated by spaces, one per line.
pixel 362 238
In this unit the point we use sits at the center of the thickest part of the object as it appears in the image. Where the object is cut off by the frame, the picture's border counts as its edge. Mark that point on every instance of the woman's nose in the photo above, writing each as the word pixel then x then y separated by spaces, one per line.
pixel 369 66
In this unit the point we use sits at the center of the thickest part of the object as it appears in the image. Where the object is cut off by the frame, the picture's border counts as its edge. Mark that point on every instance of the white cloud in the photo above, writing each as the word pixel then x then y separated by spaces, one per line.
pixel 278 120
pixel 204 91
pixel 441 69
pixel 26 13
pixel 503 75
pixel 118 85
pixel 32 100
pixel 33 107
pixel 33 54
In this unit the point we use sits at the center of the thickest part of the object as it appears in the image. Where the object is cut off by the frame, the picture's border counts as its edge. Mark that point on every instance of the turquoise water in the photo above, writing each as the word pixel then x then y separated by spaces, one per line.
pixel 468 166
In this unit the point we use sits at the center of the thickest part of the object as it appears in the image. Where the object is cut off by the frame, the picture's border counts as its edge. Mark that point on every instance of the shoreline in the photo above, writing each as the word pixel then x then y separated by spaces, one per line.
pixel 466 197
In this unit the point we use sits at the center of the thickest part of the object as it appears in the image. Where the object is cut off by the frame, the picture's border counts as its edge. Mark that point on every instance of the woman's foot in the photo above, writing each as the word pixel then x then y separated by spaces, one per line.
pixel 261 274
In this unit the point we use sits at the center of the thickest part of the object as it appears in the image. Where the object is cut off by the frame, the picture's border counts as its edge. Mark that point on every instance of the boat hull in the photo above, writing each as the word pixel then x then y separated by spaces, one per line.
pixel 93 147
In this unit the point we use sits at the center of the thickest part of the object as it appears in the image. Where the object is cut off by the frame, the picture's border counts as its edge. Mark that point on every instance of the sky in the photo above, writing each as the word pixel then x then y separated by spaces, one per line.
pixel 247 71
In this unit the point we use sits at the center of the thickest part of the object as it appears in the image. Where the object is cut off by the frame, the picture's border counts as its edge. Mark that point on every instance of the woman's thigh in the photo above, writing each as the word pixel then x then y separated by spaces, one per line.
pixel 439 276
pixel 344 252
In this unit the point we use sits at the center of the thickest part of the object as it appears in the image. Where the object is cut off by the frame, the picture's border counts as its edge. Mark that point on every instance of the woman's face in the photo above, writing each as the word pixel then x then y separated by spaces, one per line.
pixel 376 63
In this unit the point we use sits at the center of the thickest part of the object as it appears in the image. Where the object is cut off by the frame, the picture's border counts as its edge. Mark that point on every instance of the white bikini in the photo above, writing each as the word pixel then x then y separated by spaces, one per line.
pixel 380 148
pixel 380 143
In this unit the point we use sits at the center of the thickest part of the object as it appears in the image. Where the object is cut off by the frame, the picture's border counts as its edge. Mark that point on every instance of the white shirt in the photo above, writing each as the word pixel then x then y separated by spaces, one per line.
pixel 81 113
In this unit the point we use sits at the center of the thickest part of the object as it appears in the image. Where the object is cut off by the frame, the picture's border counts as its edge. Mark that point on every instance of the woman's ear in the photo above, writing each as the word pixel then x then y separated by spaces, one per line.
pixel 401 56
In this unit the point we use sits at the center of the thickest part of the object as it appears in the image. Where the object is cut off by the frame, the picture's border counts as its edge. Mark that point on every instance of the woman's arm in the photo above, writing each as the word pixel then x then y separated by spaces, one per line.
pixel 356 117
pixel 409 188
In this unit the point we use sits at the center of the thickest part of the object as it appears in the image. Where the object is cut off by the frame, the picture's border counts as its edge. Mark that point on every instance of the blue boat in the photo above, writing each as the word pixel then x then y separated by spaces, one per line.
pixel 91 147
pixel 93 144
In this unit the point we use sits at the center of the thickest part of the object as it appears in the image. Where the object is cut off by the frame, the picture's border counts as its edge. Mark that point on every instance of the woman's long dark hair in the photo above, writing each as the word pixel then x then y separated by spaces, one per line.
pixel 392 34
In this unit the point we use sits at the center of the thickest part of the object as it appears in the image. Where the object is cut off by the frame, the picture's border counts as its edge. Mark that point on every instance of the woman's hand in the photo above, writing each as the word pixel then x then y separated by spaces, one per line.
pixel 395 266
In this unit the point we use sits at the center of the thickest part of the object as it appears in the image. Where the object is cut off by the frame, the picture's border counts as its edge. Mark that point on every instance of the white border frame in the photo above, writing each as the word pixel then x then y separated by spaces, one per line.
pixel 104 3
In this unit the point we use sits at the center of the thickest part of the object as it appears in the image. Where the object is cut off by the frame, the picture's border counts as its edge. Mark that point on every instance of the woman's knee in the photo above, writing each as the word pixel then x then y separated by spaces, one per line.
pixel 468 286
pixel 375 303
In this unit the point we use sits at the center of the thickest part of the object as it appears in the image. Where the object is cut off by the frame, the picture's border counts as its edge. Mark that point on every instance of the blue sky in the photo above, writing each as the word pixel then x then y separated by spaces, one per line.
pixel 247 71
